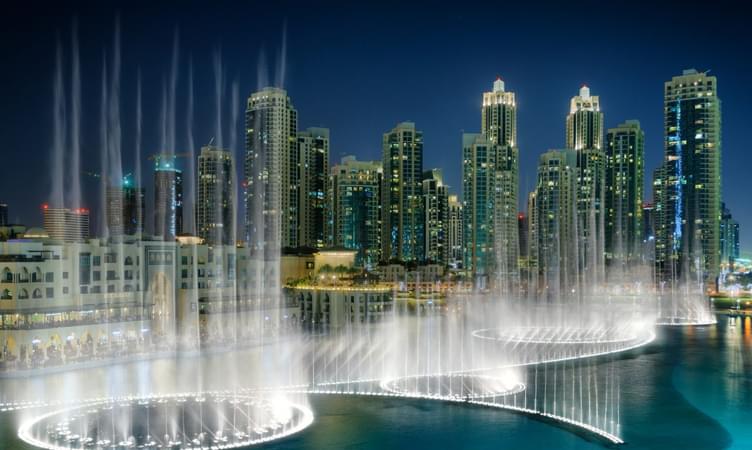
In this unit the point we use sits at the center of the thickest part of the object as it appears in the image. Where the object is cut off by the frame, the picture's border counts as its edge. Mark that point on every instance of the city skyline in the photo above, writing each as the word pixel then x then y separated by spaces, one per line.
pixel 539 110
pixel 375 225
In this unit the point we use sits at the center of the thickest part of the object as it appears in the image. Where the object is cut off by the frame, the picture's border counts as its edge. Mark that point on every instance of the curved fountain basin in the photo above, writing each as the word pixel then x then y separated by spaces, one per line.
pixel 180 421
pixel 454 386
pixel 550 335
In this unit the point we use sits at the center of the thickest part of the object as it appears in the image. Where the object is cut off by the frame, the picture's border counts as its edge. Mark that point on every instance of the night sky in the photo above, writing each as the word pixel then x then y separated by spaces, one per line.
pixel 360 69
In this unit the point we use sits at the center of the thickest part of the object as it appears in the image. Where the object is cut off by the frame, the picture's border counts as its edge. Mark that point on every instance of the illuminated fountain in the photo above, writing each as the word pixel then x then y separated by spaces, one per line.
pixel 211 420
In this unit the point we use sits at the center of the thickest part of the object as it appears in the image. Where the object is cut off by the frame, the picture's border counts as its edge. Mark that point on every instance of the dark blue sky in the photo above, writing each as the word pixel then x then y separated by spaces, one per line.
pixel 360 69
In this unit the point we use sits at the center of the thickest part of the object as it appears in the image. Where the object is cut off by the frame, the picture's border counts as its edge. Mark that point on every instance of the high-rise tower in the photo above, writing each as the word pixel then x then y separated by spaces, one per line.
pixel 168 197
pixel 689 229
pixel 499 126
pixel 584 134
pixel 436 209
pixel 215 204
pixel 625 155
pixel 271 172
pixel 401 194
pixel 478 197
pixel 553 222
pixel 355 208
pixel 454 232
pixel 125 208
pixel 313 150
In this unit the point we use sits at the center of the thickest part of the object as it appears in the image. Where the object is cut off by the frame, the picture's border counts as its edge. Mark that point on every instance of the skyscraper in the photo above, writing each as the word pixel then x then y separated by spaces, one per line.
pixel 532 239
pixel 215 204
pixel 661 225
pixel 584 134
pixel 402 200
pixel 3 214
pixel 499 126
pixel 436 209
pixel 168 197
pixel 729 239
pixel 454 232
pixel 271 172
pixel 125 208
pixel 625 155
pixel 67 225
pixel 690 220
pixel 355 208
pixel 478 196
pixel 554 219
pixel 313 149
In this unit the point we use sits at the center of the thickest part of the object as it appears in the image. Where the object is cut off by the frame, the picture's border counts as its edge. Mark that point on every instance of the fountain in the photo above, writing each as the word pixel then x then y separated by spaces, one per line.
pixel 544 353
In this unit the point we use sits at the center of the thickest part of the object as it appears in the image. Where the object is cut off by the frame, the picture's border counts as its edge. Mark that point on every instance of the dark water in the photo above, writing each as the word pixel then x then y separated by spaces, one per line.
pixel 690 389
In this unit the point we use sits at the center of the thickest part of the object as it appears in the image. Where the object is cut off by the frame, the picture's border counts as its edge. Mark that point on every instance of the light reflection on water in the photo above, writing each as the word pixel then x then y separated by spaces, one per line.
pixel 691 389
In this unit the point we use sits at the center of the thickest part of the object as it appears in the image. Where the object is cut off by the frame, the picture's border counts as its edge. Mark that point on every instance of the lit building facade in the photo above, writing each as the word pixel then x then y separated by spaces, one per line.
pixel 271 172
pixel 215 203
pixel 555 222
pixel 66 225
pixel 76 302
pixel 455 232
pixel 313 150
pixel 625 159
pixel 124 208
pixel 402 199
pixel 436 209
pixel 355 209
pixel 689 227
pixel 729 239
pixel 499 126
pixel 168 197
pixel 4 214
pixel 584 134
pixel 478 196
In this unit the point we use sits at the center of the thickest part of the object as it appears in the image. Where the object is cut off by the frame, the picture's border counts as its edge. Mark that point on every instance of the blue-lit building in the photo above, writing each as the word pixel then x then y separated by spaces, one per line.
pixel 689 207
pixel 168 197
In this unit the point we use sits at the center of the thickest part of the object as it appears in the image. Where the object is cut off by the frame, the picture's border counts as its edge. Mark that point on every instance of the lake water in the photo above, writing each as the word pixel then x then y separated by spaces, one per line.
pixel 690 389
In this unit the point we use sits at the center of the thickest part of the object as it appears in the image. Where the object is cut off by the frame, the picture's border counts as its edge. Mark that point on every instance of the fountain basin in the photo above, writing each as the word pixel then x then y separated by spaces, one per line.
pixel 180 421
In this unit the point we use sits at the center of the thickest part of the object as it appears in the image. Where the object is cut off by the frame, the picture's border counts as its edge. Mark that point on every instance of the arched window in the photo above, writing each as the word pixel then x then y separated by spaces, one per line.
pixel 37 293
pixel 128 261
pixel 36 276
pixel 22 294
pixel 6 295
pixel 7 275
pixel 23 276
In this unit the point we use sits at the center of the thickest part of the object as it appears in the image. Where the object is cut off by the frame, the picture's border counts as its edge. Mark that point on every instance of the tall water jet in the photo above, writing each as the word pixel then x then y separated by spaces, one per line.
pixel 219 88
pixel 282 59
pixel 59 135
pixel 75 150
